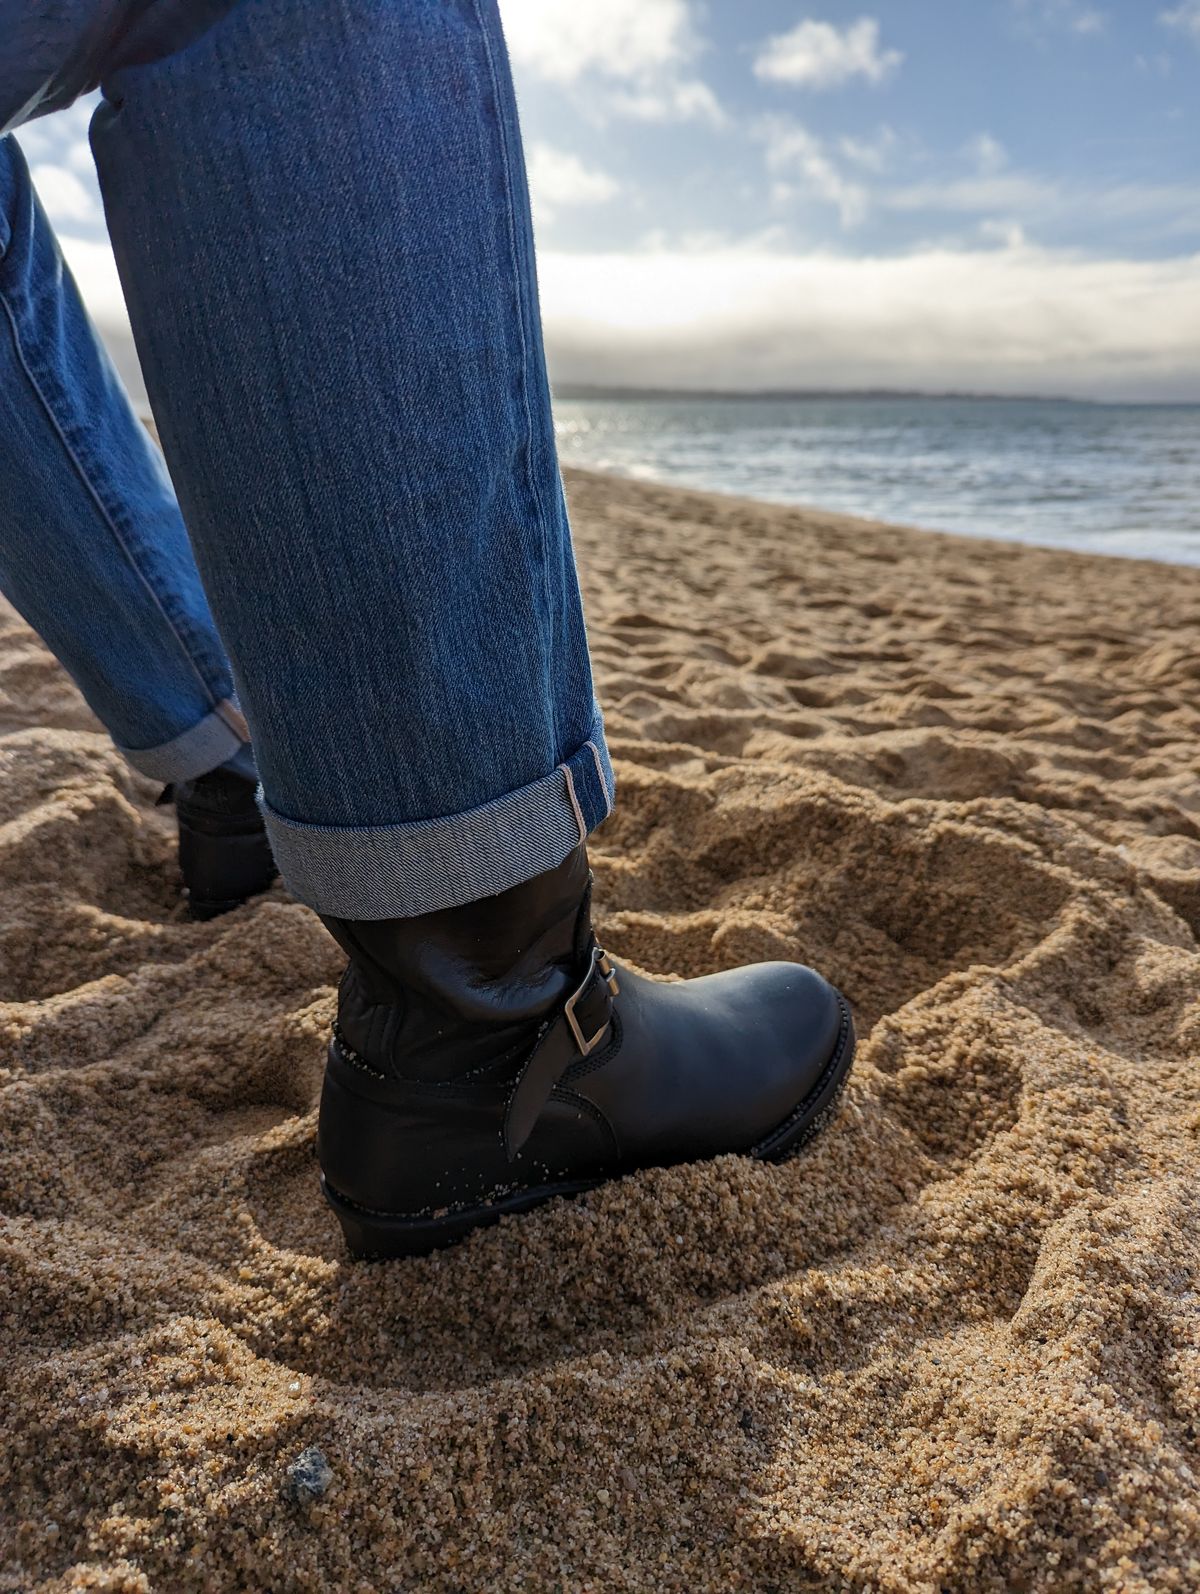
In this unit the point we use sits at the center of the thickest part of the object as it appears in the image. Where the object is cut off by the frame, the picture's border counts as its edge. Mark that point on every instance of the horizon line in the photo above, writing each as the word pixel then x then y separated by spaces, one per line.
pixel 576 391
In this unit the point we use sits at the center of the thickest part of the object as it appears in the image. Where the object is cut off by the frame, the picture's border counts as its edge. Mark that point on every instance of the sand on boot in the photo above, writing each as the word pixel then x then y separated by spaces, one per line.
pixel 953 1346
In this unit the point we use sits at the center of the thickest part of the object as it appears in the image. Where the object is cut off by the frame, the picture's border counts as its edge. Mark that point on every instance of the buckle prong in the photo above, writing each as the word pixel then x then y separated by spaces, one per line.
pixel 608 972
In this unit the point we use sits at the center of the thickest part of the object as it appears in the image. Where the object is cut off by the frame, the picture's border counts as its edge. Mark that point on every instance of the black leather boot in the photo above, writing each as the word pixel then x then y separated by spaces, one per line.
pixel 224 854
pixel 489 1057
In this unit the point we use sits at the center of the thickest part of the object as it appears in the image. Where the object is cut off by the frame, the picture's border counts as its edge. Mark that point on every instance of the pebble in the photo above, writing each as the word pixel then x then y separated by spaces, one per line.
pixel 308 1477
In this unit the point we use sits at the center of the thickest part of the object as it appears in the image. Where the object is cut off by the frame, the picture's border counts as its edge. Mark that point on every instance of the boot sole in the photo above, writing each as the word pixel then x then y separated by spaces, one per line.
pixel 381 1235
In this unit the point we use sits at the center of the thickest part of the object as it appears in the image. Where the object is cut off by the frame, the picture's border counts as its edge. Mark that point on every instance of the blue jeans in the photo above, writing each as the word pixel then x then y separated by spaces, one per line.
pixel 320 216
pixel 93 550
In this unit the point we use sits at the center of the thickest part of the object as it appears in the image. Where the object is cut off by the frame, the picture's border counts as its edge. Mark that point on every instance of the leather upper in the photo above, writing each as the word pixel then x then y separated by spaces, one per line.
pixel 456 1077
pixel 738 1050
pixel 439 995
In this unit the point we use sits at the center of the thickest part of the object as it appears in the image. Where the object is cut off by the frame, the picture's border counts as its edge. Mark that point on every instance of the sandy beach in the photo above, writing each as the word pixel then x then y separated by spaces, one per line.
pixel 953 1346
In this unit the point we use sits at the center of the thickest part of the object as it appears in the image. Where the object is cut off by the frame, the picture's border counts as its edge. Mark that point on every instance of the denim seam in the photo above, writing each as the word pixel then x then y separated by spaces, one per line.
pixel 574 801
pixel 98 499
pixel 608 802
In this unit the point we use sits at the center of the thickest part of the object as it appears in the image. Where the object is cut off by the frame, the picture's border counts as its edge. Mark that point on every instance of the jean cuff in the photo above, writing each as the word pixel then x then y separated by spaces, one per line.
pixel 398 871
pixel 202 747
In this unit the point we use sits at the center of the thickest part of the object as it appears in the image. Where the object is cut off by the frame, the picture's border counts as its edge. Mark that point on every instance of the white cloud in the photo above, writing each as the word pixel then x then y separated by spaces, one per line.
pixel 561 41
pixel 94 269
pixel 49 138
pixel 1009 233
pixel 1013 318
pixel 1008 319
pixel 672 100
pixel 872 155
pixel 1185 18
pixel 60 160
pixel 857 179
pixel 640 50
pixel 819 55
pixel 1137 212
pixel 988 191
pixel 64 196
pixel 802 165
pixel 558 178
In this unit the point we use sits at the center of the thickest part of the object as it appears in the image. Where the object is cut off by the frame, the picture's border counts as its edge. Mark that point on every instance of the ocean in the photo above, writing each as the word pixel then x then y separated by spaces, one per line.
pixel 1107 478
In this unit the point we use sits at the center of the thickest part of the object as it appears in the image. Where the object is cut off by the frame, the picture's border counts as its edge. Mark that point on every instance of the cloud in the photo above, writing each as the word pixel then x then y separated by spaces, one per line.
pixel 1069 16
pixel 639 50
pixel 988 191
pixel 818 55
pixel 1185 18
pixel 64 196
pixel 558 178
pixel 1007 197
pixel 1009 233
pixel 871 154
pixel 675 100
pixel 52 137
pixel 988 154
pixel 1014 318
pixel 61 164
pixel 1161 212
pixel 861 178
pixel 802 165
pixel 94 269
pixel 60 160
pixel 1008 319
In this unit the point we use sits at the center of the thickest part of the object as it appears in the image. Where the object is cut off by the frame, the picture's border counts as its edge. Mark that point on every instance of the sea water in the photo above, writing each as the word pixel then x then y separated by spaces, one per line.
pixel 1107 478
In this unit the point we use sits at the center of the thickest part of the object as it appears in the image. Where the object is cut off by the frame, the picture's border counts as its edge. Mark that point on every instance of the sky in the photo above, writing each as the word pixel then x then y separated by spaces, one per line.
pixel 984 195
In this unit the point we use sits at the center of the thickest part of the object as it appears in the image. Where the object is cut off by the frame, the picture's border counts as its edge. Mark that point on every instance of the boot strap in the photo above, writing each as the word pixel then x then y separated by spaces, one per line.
pixel 581 1028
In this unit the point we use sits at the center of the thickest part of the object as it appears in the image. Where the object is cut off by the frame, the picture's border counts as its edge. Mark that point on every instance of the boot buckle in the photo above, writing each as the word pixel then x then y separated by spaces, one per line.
pixel 599 961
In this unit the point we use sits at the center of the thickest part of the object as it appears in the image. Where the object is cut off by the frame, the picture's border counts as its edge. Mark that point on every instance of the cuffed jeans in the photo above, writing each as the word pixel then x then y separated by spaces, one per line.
pixel 93 550
pixel 321 221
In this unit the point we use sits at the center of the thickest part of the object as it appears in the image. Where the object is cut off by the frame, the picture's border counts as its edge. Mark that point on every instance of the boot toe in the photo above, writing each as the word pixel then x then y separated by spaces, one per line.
pixel 809 1013
pixel 736 1061
pixel 790 1029
pixel 815 1038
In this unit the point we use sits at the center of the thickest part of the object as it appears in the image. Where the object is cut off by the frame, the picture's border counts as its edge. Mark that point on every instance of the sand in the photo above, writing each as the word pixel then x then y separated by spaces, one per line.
pixel 955 1345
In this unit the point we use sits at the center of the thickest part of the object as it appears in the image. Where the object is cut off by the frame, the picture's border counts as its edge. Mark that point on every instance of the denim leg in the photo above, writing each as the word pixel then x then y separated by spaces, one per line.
pixel 93 550
pixel 320 216
pixel 52 51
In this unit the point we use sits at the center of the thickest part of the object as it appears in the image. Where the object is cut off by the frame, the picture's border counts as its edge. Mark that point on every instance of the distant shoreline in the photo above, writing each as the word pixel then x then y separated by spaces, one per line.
pixel 585 392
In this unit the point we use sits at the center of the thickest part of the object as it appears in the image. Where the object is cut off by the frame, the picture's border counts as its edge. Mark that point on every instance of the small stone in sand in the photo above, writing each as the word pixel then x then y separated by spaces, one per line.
pixel 308 1477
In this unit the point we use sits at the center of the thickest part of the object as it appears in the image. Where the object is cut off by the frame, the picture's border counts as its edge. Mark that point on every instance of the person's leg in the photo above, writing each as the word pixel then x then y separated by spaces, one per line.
pixel 93 553
pixel 321 220
pixel 93 550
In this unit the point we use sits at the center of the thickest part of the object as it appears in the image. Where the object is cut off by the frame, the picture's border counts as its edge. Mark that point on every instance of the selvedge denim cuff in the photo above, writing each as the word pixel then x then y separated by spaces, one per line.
pixel 398 871
pixel 209 743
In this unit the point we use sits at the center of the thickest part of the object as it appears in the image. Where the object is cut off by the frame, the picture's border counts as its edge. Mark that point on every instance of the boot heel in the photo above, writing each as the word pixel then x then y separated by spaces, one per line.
pixel 376 1235
pixel 361 1238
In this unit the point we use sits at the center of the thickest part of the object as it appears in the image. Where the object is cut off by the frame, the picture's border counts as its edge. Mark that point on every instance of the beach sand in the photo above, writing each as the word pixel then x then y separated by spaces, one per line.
pixel 954 1345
